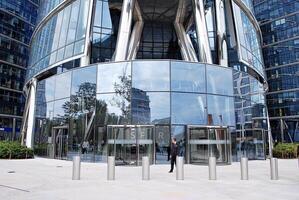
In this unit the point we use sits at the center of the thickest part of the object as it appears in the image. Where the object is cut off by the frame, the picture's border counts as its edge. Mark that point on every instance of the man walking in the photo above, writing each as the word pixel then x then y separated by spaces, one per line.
pixel 173 153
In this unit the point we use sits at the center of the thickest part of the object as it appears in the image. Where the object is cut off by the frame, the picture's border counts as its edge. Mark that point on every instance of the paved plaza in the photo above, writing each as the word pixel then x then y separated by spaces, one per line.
pixel 46 179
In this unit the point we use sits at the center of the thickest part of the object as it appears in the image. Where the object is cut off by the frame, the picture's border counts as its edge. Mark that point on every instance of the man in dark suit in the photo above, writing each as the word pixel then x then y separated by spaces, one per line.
pixel 173 153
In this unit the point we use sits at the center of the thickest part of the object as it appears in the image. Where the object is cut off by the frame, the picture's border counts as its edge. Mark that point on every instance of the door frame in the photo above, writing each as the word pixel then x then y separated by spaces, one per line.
pixel 54 135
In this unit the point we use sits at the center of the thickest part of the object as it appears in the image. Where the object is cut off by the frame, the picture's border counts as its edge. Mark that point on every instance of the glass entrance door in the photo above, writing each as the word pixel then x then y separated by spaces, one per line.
pixel 204 142
pixel 60 135
pixel 129 143
pixel 162 144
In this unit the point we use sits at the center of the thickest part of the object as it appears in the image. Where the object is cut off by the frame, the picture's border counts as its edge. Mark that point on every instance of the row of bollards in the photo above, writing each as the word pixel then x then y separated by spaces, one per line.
pixel 179 168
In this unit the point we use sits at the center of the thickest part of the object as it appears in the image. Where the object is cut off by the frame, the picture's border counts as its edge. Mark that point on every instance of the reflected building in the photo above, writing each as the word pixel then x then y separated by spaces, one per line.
pixel 122 77
pixel 279 22
pixel 17 22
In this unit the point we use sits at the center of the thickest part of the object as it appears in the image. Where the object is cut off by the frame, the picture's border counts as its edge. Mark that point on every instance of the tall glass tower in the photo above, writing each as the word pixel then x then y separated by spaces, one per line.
pixel 17 21
pixel 121 77
pixel 279 21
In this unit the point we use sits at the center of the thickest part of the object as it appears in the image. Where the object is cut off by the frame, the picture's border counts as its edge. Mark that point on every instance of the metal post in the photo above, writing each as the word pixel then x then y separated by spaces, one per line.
pixel 145 168
pixel 76 167
pixel 212 168
pixel 274 168
pixel 244 168
pixel 179 168
pixel 111 168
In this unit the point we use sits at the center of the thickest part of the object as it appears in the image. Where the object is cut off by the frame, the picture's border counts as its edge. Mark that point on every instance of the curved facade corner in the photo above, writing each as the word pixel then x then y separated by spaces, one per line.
pixel 122 77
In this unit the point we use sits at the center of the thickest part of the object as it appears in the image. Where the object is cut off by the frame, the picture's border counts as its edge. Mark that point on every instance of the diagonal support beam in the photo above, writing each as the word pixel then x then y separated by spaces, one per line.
pixel 202 33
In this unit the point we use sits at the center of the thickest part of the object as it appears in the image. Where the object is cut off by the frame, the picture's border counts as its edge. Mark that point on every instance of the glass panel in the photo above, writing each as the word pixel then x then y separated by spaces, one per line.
pixel 150 107
pixel 113 109
pixel 114 77
pixel 188 108
pixel 82 22
pixel 98 14
pixel 162 145
pixel 84 81
pixel 73 22
pixel 145 143
pixel 199 149
pixel 46 90
pixel 219 80
pixel 65 22
pixel 79 47
pixel 221 110
pixel 60 54
pixel 188 77
pixel 218 144
pixel 69 51
pixel 61 112
pixel 63 85
pixel 151 75
pixel 178 132
pixel 100 144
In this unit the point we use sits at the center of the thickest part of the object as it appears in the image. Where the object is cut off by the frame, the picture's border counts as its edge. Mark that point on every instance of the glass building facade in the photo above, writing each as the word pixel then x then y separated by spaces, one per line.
pixel 17 21
pixel 279 21
pixel 120 78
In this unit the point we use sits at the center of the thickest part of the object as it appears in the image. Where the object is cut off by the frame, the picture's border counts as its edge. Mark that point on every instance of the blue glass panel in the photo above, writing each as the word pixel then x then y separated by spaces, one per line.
pixel 188 108
pixel 188 77
pixel 151 75
pixel 150 107
pixel 219 80
pixel 114 77
pixel 221 110
pixel 63 85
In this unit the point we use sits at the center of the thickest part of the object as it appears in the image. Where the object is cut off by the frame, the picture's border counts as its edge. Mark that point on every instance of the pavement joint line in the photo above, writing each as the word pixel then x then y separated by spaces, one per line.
pixel 14 188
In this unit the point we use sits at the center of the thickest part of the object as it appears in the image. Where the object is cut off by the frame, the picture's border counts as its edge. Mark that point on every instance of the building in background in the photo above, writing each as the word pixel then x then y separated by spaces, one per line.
pixel 17 21
pixel 279 22
pixel 120 77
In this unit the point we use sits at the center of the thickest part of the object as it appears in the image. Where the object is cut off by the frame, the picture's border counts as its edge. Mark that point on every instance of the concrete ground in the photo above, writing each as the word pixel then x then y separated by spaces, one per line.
pixel 46 179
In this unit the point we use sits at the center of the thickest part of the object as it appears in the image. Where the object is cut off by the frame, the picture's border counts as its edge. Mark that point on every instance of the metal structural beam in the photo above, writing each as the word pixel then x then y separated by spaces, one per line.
pixel 221 33
pixel 136 34
pixel 202 33
pixel 187 50
pixel 125 24
pixel 27 130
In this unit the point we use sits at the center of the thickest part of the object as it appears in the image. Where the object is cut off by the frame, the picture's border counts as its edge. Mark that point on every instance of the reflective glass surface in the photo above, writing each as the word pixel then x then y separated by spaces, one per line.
pixel 188 108
pixel 113 109
pixel 188 77
pixel 150 107
pixel 249 42
pixel 146 77
pixel 219 80
pixel 221 110
pixel 114 78
pixel 63 85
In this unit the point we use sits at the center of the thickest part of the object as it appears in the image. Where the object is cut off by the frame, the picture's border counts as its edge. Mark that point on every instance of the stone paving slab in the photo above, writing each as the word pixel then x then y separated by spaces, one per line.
pixel 47 179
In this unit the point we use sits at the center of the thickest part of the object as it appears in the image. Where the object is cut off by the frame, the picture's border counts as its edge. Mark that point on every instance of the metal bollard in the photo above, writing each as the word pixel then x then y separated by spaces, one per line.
pixel 145 168
pixel 212 168
pixel 179 168
pixel 111 168
pixel 274 168
pixel 244 168
pixel 76 167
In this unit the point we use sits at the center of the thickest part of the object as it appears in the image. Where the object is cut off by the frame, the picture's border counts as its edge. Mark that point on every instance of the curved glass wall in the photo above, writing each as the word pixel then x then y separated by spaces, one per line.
pixel 249 42
pixel 62 37
pixel 123 94
pixel 45 7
